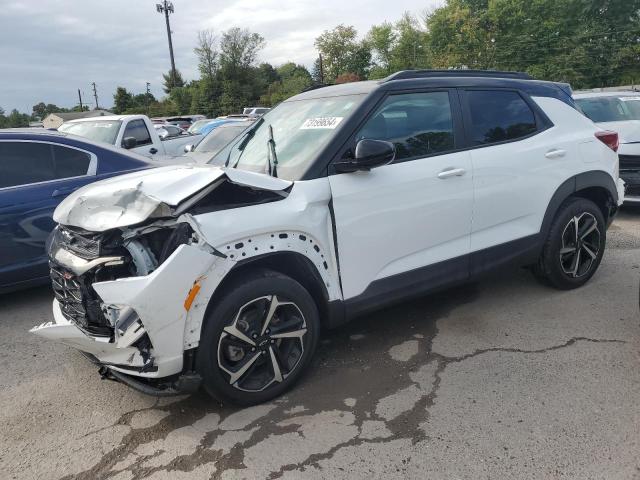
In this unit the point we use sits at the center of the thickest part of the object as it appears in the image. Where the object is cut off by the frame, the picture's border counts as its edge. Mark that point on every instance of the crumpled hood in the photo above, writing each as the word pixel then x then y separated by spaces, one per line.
pixel 132 198
pixel 628 131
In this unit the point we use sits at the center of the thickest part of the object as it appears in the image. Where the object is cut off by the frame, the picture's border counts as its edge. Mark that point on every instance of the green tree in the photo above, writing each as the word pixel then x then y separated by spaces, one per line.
pixel 171 80
pixel 342 52
pixel 293 79
pixel 207 54
pixel 589 43
pixel 15 119
pixel 122 100
pixel 382 39
pixel 410 48
pixel 39 110
pixel 181 98
pixel 238 77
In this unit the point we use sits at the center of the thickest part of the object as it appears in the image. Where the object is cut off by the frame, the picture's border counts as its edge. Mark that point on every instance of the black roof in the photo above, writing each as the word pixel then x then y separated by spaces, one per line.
pixel 455 73
pixel 409 79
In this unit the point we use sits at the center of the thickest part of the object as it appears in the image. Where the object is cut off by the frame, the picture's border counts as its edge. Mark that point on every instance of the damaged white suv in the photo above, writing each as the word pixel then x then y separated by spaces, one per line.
pixel 338 201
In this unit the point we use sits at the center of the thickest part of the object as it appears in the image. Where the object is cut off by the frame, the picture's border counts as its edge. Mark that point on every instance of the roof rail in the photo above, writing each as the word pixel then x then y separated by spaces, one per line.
pixel 405 74
pixel 315 86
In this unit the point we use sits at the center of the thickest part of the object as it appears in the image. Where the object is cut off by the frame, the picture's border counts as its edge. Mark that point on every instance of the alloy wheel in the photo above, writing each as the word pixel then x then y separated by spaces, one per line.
pixel 580 245
pixel 263 344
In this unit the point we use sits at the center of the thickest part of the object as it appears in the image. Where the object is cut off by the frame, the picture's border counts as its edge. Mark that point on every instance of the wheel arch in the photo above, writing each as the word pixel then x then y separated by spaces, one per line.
pixel 292 264
pixel 596 185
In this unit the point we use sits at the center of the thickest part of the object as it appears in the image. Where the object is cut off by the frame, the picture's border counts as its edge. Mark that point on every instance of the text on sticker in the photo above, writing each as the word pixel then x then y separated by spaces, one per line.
pixel 321 122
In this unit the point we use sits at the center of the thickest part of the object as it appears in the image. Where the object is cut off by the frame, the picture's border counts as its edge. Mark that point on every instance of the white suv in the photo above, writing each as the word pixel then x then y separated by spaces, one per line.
pixel 340 200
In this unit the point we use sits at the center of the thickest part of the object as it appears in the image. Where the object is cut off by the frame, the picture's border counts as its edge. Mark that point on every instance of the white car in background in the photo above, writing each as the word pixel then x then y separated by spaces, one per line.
pixel 132 132
pixel 255 111
pixel 166 130
pixel 620 112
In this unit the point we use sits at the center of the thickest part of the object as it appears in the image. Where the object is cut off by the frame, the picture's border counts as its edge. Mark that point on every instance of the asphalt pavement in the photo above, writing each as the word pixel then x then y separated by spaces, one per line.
pixel 504 378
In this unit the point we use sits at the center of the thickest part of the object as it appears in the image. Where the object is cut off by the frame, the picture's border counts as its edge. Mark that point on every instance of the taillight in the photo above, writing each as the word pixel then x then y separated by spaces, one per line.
pixel 609 138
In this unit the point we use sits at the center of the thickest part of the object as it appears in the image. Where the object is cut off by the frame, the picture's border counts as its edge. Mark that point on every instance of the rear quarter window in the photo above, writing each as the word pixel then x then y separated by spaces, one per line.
pixel 70 162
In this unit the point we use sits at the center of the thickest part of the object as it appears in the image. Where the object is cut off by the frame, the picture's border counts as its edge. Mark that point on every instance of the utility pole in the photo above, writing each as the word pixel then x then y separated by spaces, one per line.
pixel 321 68
pixel 80 99
pixel 166 7
pixel 95 94
pixel 147 97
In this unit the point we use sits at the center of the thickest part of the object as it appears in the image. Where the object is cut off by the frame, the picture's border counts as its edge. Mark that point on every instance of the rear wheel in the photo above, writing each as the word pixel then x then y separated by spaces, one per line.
pixel 574 246
pixel 258 339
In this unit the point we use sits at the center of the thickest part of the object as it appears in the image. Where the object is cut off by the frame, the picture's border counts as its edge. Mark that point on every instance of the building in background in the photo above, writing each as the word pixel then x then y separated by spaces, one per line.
pixel 54 120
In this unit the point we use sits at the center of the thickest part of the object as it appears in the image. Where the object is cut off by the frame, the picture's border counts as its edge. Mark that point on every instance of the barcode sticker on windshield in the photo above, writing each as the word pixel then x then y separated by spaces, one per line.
pixel 321 122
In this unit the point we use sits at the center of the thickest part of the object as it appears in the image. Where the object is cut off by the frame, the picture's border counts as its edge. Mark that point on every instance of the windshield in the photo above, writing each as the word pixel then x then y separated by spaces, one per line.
pixel 300 130
pixel 219 138
pixel 610 109
pixel 99 131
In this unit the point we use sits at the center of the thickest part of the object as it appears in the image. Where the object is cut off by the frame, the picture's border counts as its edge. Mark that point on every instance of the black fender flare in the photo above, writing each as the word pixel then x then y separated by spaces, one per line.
pixel 593 178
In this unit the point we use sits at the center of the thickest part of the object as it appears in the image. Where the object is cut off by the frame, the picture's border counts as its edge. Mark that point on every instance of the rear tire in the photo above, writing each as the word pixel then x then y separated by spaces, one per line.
pixel 258 339
pixel 574 246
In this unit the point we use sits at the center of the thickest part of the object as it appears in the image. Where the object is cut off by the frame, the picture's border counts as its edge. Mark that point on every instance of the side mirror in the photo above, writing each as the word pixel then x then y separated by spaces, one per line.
pixel 129 142
pixel 163 134
pixel 369 154
pixel 189 148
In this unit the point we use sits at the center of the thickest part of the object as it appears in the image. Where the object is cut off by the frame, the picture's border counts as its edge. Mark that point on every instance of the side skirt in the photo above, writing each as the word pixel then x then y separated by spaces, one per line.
pixel 397 288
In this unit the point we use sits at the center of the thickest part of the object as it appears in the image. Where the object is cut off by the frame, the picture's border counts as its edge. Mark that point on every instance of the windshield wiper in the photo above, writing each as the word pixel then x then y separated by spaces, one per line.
pixel 246 137
pixel 272 158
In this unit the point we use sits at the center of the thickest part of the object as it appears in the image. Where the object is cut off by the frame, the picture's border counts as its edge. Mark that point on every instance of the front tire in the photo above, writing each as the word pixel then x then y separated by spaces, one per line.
pixel 258 339
pixel 574 246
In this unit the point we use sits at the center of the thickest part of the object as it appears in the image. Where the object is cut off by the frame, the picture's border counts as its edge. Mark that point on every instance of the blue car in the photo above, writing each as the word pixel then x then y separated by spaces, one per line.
pixel 38 169
pixel 213 124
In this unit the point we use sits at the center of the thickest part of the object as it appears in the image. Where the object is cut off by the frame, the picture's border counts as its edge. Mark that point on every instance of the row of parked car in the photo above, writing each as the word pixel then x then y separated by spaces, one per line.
pixel 39 168
pixel 220 271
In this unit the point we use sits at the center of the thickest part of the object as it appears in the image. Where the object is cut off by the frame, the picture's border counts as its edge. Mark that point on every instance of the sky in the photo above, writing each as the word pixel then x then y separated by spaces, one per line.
pixel 50 48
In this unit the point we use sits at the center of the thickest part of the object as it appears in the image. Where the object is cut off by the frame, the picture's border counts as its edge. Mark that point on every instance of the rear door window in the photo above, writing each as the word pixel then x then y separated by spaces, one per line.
pixel 138 130
pixel 24 163
pixel 495 116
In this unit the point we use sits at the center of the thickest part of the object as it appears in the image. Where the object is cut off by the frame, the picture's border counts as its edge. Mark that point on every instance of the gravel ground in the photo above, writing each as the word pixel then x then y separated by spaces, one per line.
pixel 501 379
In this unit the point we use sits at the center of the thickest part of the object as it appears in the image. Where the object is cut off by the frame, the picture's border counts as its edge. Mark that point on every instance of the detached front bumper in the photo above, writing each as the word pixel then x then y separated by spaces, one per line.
pixel 150 306
pixel 126 360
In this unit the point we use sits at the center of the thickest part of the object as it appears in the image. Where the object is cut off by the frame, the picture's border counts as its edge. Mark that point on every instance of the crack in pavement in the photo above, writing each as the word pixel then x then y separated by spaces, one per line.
pixel 358 369
pixel 428 400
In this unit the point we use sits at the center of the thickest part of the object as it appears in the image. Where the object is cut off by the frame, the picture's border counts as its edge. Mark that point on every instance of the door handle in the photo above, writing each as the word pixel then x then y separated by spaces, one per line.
pixel 451 172
pixel 555 153
pixel 153 150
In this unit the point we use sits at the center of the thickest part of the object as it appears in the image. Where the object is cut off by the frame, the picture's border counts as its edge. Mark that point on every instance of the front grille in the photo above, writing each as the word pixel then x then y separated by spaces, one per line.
pixel 86 246
pixel 78 303
pixel 67 290
pixel 629 162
